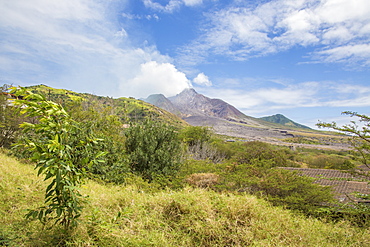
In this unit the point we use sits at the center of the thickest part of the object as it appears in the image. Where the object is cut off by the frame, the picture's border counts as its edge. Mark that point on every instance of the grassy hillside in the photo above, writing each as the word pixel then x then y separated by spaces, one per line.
pixel 128 109
pixel 130 216
pixel 281 119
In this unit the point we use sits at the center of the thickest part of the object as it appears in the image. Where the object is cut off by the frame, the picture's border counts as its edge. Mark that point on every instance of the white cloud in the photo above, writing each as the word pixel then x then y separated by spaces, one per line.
pixel 171 6
pixel 157 78
pixel 330 26
pixel 121 34
pixel 77 44
pixel 351 54
pixel 363 101
pixel 202 79
pixel 289 96
pixel 192 2
pixel 352 89
pixel 139 17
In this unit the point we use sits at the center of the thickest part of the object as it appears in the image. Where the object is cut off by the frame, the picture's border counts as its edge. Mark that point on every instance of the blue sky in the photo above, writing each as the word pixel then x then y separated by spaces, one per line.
pixel 306 59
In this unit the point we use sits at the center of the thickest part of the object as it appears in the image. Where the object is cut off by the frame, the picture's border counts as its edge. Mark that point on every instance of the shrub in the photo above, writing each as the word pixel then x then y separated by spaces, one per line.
pixel 279 186
pixel 206 151
pixel 10 118
pixel 282 187
pixel 101 120
pixel 358 136
pixel 195 135
pixel 153 149
pixel 260 151
pixel 329 162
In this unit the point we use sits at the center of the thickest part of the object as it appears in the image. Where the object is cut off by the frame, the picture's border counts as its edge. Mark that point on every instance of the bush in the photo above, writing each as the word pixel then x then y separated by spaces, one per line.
pixel 153 149
pixel 10 118
pixel 260 151
pixel 206 151
pixel 279 186
pixel 358 136
pixel 282 187
pixel 195 135
pixel 107 126
pixel 329 162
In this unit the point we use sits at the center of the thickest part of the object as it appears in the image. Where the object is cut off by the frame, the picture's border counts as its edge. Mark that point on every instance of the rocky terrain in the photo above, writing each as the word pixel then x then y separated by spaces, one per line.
pixel 277 136
pixel 225 119
pixel 189 103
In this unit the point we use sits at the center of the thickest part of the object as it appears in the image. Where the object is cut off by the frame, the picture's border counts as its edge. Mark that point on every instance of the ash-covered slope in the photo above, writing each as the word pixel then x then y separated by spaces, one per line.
pixel 199 110
pixel 161 101
pixel 189 103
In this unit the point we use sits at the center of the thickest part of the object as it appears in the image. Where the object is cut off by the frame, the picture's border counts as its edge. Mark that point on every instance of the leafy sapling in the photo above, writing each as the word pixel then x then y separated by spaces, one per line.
pixel 62 153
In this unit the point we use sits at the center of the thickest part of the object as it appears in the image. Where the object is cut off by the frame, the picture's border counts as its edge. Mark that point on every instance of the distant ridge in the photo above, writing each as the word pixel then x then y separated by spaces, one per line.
pixel 190 104
pixel 126 109
pixel 281 119
pixel 161 101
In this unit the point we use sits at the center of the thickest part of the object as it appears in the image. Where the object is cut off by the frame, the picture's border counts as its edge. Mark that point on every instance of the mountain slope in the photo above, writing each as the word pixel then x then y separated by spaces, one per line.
pixel 189 103
pixel 127 109
pixel 199 110
pixel 281 119
pixel 161 101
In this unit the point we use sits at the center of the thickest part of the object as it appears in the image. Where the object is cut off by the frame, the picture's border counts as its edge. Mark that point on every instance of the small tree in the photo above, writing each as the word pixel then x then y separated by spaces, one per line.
pixel 104 123
pixel 62 152
pixel 195 135
pixel 253 151
pixel 359 137
pixel 153 149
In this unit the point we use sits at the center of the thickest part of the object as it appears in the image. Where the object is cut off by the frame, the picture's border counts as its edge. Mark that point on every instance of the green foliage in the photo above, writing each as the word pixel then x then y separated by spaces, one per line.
pixel 126 109
pixel 278 186
pixel 191 166
pixel 153 149
pixel 281 119
pixel 201 144
pixel 324 161
pixel 282 187
pixel 303 140
pixel 128 216
pixel 10 118
pixel 106 125
pixel 193 135
pixel 62 152
pixel 359 136
pixel 259 151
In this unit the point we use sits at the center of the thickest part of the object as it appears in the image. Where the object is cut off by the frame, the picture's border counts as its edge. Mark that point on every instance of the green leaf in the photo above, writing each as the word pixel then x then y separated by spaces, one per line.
pixel 58 178
pixel 50 186
pixel 59 212
pixel 41 215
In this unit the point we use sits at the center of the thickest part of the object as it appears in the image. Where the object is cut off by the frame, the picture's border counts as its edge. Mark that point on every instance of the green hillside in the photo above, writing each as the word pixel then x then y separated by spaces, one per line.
pixel 128 109
pixel 130 215
pixel 281 119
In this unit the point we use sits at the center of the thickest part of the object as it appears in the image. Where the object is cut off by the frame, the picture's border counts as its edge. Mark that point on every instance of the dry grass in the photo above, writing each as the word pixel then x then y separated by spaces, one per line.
pixel 126 216
pixel 203 180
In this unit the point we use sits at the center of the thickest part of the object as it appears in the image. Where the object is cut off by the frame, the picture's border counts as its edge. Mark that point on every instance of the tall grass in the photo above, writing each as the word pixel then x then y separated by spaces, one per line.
pixel 128 216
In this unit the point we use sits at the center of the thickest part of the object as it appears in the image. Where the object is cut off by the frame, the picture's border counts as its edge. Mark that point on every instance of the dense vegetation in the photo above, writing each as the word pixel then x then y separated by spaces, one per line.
pixel 141 157
pixel 131 215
